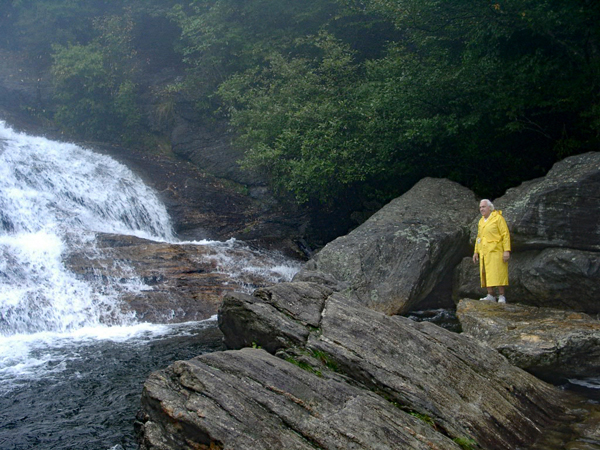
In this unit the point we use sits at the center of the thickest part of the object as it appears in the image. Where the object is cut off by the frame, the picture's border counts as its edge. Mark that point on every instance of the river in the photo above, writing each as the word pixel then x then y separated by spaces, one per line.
pixel 72 364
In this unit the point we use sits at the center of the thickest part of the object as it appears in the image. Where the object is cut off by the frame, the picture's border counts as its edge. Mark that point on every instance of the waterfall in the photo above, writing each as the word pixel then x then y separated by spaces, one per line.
pixel 53 198
pixel 72 363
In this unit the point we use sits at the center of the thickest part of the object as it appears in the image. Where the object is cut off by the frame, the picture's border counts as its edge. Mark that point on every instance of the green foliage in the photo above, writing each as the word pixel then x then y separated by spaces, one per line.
pixel 466 443
pixel 36 25
pixel 424 418
pixel 325 359
pixel 338 101
pixel 491 94
pixel 485 94
pixel 299 119
pixel 94 85
pixel 304 366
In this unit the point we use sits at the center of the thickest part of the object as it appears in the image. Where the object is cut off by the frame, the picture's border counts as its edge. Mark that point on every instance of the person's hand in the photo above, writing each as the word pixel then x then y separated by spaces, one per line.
pixel 475 258
pixel 506 256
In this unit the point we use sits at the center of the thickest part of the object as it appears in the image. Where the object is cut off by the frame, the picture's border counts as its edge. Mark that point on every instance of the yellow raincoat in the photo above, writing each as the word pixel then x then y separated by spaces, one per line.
pixel 493 239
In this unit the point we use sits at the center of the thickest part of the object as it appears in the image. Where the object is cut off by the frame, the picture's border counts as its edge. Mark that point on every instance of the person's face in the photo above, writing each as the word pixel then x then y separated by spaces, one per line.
pixel 485 209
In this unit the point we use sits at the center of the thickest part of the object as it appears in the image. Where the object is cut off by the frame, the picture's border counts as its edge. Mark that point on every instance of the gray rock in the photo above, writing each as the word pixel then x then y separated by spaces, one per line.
pixel 250 320
pixel 561 209
pixel 210 148
pixel 276 317
pixel 250 399
pixel 550 343
pixel 397 257
pixel 560 278
pixel 202 206
pixel 464 387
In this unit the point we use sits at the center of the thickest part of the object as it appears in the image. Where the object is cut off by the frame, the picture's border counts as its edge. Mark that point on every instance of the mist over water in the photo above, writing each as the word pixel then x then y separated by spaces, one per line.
pixel 71 362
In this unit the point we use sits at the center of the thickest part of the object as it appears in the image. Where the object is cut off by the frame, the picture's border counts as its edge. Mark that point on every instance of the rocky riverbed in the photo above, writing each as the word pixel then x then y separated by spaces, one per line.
pixel 323 362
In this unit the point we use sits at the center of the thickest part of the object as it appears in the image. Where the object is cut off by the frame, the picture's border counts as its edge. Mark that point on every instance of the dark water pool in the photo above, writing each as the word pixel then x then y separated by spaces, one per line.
pixel 89 393
pixel 91 398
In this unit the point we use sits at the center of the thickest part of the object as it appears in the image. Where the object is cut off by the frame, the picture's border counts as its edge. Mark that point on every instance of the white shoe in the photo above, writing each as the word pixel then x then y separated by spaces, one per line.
pixel 488 298
pixel 502 299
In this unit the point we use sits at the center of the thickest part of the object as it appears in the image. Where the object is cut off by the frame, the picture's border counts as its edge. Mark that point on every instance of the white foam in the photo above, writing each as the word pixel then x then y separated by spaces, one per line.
pixel 590 383
pixel 32 356
pixel 54 198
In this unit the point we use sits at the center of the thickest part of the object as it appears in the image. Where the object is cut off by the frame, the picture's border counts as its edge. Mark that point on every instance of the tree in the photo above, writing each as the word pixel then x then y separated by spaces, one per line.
pixel 487 94
pixel 94 83
pixel 299 119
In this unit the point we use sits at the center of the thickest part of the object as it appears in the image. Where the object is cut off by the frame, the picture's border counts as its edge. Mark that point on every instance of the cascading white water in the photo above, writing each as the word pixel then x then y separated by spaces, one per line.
pixel 53 196
pixel 70 360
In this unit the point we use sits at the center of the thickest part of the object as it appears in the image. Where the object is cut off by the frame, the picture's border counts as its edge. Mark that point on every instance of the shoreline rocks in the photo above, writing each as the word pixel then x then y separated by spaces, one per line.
pixel 309 356
pixel 464 390
pixel 184 281
pixel 552 344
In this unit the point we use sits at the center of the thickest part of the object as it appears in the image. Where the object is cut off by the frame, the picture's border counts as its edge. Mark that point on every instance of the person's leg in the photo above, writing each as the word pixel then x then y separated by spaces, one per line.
pixel 501 297
pixel 490 293
pixel 490 290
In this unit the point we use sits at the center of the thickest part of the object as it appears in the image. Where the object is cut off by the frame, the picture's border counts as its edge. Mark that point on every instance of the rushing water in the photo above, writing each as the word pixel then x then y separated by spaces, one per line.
pixel 72 364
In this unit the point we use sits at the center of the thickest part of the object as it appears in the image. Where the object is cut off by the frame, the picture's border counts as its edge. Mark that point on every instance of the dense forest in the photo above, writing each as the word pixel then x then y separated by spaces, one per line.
pixel 332 99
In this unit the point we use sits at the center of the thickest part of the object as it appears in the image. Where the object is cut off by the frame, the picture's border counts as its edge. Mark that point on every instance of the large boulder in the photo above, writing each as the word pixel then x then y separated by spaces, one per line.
pixel 558 278
pixel 561 209
pixel 350 355
pixel 396 258
pixel 550 343
pixel 250 399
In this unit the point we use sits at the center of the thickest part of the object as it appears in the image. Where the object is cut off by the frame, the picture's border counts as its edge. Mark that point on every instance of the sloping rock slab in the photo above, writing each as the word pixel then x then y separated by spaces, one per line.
pixel 561 209
pixel 182 282
pixel 250 399
pixel 467 389
pixel 396 258
pixel 559 278
pixel 550 343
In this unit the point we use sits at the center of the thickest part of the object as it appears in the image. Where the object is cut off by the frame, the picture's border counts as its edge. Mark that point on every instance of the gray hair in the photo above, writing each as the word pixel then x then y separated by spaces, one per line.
pixel 490 204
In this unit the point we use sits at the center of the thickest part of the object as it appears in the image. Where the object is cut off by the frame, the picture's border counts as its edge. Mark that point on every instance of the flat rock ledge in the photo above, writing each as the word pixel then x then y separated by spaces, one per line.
pixel 552 344
pixel 321 371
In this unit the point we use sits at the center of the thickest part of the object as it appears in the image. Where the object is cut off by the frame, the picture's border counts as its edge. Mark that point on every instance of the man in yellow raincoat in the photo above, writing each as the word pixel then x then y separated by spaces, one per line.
pixel 492 251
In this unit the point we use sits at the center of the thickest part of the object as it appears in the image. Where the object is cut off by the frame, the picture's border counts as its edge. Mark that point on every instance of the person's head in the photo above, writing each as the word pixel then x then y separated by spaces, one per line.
pixel 486 207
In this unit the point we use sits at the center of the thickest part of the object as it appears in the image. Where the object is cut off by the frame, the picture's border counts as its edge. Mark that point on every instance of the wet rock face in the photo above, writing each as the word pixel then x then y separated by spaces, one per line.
pixel 396 258
pixel 550 343
pixel 353 361
pixel 202 206
pixel 184 282
pixel 210 147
